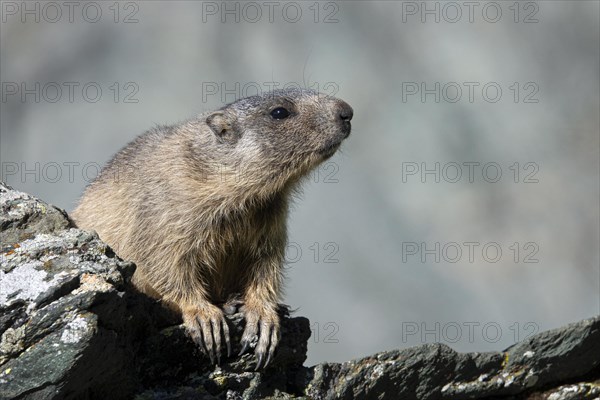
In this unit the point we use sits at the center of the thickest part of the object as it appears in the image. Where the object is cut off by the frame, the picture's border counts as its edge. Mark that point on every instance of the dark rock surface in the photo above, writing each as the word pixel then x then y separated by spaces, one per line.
pixel 435 371
pixel 72 327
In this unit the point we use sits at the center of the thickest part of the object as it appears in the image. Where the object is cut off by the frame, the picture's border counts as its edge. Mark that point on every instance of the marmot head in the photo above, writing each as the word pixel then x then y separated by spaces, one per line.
pixel 281 135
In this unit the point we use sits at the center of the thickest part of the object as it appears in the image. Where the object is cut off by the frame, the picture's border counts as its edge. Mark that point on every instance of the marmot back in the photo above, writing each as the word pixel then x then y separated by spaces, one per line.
pixel 201 207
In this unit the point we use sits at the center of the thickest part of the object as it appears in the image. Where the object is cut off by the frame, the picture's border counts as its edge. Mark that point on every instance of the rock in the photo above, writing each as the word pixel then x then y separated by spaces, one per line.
pixel 170 358
pixel 435 371
pixel 72 327
pixel 23 216
pixel 61 295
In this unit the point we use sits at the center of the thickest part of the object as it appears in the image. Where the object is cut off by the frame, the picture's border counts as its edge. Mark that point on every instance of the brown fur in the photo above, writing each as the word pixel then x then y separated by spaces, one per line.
pixel 201 207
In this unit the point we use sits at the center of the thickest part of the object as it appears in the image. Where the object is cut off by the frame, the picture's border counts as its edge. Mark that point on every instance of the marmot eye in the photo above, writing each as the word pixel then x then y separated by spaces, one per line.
pixel 280 113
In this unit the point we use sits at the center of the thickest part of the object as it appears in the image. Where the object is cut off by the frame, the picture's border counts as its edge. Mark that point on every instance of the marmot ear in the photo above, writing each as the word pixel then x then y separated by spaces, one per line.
pixel 222 125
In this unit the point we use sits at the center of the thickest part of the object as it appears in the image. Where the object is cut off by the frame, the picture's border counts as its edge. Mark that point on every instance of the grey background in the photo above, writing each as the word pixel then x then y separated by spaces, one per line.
pixel 358 206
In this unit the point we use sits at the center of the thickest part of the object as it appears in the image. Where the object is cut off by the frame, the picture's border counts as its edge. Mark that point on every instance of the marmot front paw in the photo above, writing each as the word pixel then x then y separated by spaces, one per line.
pixel 205 325
pixel 264 325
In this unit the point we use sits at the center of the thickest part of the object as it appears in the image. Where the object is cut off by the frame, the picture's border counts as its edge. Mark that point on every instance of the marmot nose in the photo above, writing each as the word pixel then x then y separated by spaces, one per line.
pixel 345 112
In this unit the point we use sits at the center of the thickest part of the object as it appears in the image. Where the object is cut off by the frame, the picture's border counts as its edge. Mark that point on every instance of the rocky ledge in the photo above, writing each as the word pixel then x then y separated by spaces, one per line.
pixel 72 327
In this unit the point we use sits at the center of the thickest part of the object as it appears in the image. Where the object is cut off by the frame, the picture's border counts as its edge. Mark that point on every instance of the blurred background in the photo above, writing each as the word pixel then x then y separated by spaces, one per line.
pixel 464 207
